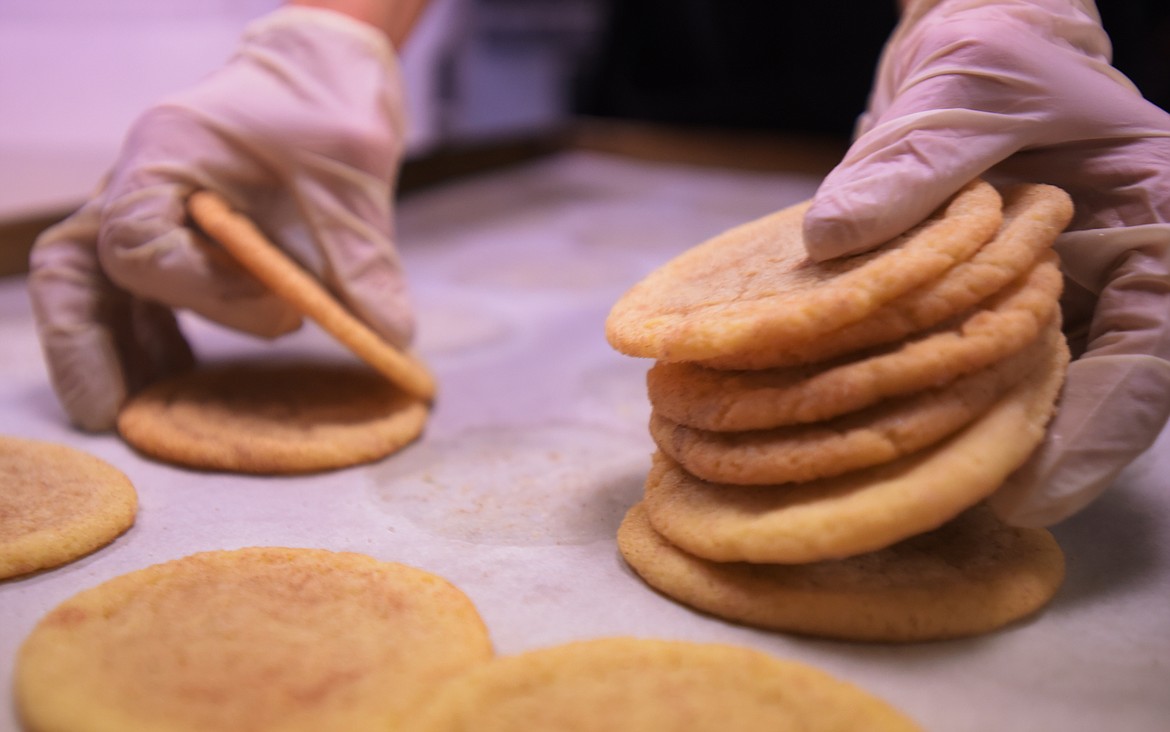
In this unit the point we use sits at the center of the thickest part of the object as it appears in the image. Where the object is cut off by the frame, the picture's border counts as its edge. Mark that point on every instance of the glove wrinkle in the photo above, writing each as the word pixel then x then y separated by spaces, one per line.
pixel 73 303
pixel 1112 411
pixel 146 249
pixel 1131 313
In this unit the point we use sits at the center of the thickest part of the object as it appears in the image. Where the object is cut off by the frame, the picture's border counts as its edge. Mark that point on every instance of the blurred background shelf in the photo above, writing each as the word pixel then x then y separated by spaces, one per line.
pixel 748 85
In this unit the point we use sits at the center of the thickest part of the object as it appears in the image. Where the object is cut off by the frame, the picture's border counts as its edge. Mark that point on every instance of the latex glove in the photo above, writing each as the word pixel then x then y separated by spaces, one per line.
pixel 302 130
pixel 1022 90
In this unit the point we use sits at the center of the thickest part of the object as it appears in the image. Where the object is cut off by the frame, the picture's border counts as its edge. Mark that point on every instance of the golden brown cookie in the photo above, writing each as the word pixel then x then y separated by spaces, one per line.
pixel 57 504
pixel 620 684
pixel 251 640
pixel 240 237
pixel 1033 216
pixel 879 434
pixel 272 417
pixel 725 401
pixel 755 285
pixel 970 576
pixel 864 510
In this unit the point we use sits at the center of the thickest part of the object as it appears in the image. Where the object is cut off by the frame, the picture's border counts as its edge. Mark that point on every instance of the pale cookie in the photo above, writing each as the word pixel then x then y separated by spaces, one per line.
pixel 1033 216
pixel 873 436
pixel 272 418
pixel 755 285
pixel 250 640
pixel 264 260
pixel 635 684
pixel 972 575
pixel 57 504
pixel 860 511
pixel 725 401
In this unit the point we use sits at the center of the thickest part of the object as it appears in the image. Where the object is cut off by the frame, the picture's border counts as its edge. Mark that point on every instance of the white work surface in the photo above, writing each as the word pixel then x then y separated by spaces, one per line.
pixel 538 443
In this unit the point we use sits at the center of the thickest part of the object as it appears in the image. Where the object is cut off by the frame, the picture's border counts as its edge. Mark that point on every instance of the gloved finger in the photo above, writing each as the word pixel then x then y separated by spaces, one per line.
pixel 147 248
pixel 1112 409
pixel 943 124
pixel 1116 399
pixel 95 345
pixel 350 222
pixel 898 174
pixel 70 298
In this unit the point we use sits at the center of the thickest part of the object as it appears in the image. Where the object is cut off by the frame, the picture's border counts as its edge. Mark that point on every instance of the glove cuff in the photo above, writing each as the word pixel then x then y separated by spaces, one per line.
pixel 342 71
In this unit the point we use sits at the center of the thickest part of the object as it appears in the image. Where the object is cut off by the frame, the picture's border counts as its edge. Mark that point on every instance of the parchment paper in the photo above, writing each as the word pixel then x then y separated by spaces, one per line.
pixel 538 444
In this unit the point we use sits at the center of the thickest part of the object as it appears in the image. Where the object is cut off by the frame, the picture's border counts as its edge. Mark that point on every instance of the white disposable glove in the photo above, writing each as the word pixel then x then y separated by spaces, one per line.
pixel 1023 90
pixel 302 130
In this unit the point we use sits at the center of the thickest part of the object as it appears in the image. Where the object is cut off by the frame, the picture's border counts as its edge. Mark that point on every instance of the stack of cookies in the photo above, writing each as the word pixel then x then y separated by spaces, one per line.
pixel 827 432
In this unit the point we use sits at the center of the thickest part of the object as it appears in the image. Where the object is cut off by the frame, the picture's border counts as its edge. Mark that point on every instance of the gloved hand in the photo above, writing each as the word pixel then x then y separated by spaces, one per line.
pixel 302 130
pixel 1022 90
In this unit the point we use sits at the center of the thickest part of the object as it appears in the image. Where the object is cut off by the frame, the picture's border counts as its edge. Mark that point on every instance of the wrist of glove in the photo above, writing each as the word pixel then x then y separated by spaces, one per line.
pixel 302 130
pixel 1023 90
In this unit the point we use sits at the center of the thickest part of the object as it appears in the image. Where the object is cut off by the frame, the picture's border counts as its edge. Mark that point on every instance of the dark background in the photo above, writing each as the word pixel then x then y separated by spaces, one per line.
pixel 791 66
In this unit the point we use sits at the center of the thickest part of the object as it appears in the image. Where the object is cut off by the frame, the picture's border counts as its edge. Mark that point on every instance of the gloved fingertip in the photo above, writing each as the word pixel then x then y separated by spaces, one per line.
pixel 374 289
pixel 1013 506
pixel 390 316
pixel 852 220
pixel 830 236
pixel 95 423
pixel 398 330
pixel 1029 511
pixel 87 379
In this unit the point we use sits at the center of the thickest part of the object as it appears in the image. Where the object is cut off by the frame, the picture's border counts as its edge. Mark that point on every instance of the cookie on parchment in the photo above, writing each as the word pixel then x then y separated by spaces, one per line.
pixel 272 417
pixel 884 432
pixel 252 640
pixel 755 285
pixel 972 575
pixel 632 684
pixel 863 510
pixel 57 504
pixel 731 401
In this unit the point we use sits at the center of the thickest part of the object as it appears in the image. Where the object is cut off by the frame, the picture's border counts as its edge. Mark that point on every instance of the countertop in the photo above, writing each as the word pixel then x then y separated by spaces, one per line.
pixel 538 443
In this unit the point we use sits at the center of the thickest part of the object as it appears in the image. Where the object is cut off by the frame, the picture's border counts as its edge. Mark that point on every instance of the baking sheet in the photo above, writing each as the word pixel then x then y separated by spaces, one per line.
pixel 538 443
